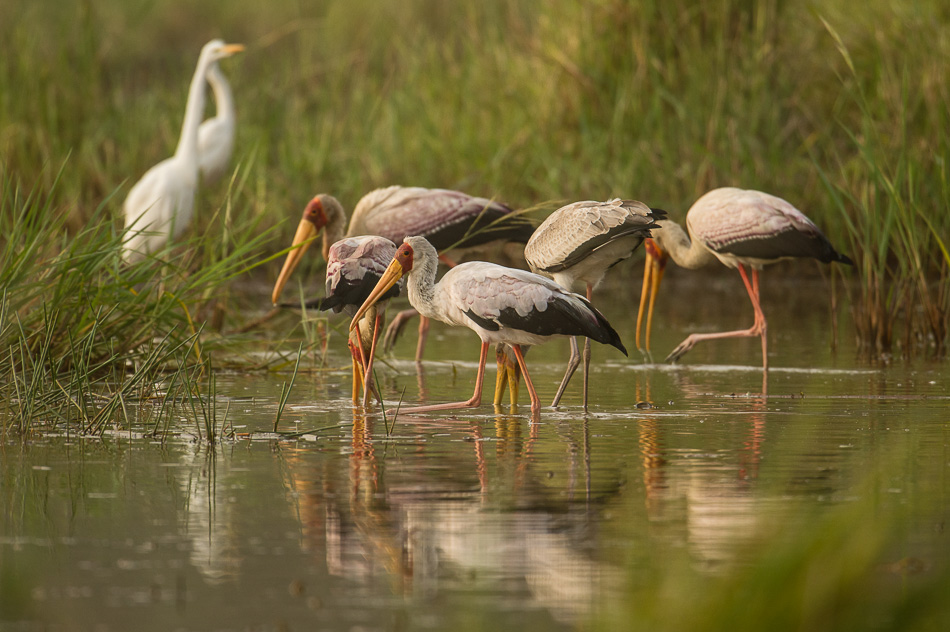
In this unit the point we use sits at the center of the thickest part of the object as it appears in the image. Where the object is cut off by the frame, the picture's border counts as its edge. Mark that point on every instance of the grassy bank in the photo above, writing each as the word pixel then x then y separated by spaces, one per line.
pixel 842 113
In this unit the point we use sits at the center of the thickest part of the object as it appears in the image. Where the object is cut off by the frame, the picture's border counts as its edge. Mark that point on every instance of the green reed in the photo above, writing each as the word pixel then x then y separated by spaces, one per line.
pixel 528 103
pixel 883 193
pixel 86 334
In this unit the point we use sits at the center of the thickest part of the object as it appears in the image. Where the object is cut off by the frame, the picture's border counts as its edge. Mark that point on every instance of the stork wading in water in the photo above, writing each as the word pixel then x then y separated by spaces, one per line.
pixel 354 266
pixel 450 219
pixel 216 135
pixel 501 305
pixel 579 243
pixel 738 228
pixel 160 205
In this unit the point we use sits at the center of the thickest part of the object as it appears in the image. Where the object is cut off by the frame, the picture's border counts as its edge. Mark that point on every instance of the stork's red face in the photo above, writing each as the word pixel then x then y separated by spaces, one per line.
pixel 653 250
pixel 315 214
pixel 404 256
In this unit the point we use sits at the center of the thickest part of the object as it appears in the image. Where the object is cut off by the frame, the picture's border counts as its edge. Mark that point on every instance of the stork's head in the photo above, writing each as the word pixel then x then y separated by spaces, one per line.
pixel 315 218
pixel 404 257
pixel 315 214
pixel 398 267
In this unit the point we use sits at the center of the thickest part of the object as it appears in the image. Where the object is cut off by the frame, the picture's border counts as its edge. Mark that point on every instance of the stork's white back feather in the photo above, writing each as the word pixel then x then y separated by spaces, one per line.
pixel 574 243
pixel 398 212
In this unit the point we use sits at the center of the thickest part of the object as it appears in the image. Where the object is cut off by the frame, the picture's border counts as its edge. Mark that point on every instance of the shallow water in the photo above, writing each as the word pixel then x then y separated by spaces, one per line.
pixel 480 518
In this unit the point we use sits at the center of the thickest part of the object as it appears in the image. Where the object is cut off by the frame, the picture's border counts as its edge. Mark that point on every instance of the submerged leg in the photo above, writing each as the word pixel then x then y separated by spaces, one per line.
pixel 586 368
pixel 370 385
pixel 357 370
pixel 508 376
pixel 535 402
pixel 476 397
pixel 395 328
pixel 757 329
pixel 590 292
pixel 653 270
pixel 572 363
pixel 501 381
pixel 423 334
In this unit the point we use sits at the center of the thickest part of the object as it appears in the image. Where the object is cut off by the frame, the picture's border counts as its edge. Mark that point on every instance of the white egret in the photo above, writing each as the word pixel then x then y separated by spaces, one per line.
pixel 160 205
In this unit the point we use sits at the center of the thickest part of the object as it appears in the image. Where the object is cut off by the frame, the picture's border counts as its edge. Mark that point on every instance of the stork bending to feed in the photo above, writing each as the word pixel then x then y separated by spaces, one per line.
pixel 580 242
pixel 160 205
pixel 449 219
pixel 738 228
pixel 501 305
pixel 354 266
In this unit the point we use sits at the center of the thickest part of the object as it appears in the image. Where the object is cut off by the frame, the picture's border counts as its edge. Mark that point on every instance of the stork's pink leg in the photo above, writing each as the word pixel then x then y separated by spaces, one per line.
pixel 535 401
pixel 423 335
pixel 572 363
pixel 759 325
pixel 590 292
pixel 757 329
pixel 476 397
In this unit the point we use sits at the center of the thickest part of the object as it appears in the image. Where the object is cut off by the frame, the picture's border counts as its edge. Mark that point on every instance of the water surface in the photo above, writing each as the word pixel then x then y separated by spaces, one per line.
pixel 479 518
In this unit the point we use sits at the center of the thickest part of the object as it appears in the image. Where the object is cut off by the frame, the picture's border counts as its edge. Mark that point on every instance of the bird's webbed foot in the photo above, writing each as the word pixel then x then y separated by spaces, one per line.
pixel 681 349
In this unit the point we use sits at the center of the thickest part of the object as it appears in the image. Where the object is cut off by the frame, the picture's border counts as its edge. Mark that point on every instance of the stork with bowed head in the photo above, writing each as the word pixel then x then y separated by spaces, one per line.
pixel 160 205
pixel 738 228
pixel 451 220
pixel 501 305
pixel 354 265
pixel 579 243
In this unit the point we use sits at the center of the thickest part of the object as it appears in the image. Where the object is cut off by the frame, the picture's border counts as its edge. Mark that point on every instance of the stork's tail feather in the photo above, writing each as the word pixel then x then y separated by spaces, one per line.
pixel 605 333
pixel 840 258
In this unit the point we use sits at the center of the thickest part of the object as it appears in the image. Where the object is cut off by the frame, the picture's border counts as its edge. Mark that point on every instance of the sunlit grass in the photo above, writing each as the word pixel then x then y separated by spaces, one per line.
pixel 86 334
pixel 528 103
pixel 843 114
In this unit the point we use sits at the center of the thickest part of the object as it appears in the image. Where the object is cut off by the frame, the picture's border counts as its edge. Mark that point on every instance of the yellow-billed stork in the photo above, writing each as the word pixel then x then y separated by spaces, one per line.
pixel 354 266
pixel 579 242
pixel 739 228
pixel 501 305
pixel 451 220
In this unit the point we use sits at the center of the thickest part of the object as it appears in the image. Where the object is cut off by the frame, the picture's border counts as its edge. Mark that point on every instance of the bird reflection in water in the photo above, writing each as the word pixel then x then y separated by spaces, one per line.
pixel 716 498
pixel 501 522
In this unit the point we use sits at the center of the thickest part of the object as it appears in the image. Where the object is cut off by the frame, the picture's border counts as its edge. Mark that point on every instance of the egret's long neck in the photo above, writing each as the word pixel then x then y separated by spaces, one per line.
pixel 672 239
pixel 223 99
pixel 421 286
pixel 194 110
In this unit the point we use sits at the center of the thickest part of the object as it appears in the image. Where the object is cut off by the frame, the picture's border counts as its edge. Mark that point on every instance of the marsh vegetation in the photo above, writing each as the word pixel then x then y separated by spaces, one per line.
pixel 842 112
